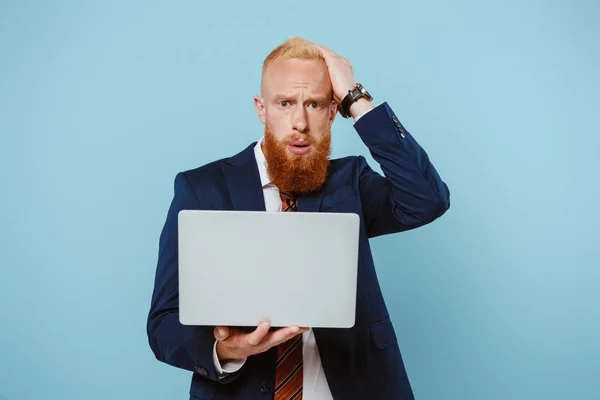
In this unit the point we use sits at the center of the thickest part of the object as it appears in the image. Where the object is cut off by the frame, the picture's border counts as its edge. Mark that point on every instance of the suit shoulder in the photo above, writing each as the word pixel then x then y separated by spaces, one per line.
pixel 210 171
pixel 208 177
pixel 213 171
pixel 339 162
pixel 345 163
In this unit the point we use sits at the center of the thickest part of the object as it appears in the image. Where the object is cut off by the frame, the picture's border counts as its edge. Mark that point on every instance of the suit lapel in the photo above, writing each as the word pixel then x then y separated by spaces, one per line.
pixel 243 181
pixel 310 202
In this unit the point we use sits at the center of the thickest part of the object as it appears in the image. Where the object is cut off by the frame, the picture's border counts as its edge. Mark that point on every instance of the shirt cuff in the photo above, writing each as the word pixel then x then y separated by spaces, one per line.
pixel 228 367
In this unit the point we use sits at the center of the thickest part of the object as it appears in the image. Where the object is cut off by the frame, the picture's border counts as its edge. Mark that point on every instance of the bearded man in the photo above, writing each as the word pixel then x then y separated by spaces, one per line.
pixel 304 85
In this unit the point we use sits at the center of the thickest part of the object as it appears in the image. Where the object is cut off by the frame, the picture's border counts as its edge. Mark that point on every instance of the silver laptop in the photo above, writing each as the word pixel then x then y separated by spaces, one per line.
pixel 238 268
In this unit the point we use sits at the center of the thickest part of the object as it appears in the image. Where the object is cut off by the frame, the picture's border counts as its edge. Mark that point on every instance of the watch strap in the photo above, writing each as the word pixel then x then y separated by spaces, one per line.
pixel 353 94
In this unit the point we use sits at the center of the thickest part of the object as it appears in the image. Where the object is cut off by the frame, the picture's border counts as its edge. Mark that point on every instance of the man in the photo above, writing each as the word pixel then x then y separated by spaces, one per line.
pixel 303 87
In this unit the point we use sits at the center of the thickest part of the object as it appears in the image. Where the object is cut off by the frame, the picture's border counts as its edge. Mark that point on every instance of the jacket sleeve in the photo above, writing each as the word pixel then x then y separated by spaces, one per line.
pixel 183 346
pixel 411 193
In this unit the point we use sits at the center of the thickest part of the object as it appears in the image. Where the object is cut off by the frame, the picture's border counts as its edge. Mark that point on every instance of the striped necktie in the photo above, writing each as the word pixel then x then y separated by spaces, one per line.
pixel 288 372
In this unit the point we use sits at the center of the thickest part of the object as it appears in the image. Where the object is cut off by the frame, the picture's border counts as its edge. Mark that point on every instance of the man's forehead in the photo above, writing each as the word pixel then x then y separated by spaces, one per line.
pixel 289 74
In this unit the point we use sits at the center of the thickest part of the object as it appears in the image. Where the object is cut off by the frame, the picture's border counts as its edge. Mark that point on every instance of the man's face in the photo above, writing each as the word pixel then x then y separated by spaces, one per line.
pixel 297 109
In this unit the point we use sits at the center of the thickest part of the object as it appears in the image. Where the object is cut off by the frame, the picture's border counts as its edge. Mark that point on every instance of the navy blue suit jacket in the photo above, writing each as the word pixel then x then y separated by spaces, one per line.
pixel 362 362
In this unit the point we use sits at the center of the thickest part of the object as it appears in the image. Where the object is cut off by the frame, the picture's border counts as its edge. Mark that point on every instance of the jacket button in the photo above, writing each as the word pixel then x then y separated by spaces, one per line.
pixel 201 371
pixel 402 135
pixel 395 119
pixel 265 387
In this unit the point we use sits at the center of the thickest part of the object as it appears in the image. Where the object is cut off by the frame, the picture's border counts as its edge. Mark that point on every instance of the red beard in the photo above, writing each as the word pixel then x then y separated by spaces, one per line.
pixel 297 173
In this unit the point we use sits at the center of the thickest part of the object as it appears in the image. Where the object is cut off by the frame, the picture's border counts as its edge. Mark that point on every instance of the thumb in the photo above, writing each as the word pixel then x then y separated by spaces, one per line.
pixel 221 333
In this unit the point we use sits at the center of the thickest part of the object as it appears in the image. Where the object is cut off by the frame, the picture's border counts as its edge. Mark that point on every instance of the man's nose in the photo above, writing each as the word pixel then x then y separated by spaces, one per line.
pixel 300 120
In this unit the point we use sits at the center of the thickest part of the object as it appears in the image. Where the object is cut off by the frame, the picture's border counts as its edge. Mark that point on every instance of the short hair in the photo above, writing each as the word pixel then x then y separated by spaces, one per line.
pixel 295 47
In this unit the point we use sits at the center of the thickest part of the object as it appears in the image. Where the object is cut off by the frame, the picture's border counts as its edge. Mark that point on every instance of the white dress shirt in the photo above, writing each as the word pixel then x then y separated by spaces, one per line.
pixel 314 385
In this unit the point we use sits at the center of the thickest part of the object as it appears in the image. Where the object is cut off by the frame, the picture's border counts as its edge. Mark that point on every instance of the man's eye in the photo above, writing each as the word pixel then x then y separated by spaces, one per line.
pixel 315 106
pixel 284 103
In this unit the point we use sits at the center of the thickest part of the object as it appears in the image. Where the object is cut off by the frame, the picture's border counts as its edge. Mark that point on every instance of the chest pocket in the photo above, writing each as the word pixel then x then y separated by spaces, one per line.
pixel 335 198
pixel 383 335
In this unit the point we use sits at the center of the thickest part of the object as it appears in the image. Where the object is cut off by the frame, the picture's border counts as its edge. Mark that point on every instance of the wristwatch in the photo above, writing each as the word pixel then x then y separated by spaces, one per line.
pixel 353 94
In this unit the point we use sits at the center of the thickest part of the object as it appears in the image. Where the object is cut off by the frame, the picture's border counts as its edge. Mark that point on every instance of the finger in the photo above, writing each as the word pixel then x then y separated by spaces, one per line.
pixel 325 51
pixel 283 335
pixel 221 332
pixel 259 333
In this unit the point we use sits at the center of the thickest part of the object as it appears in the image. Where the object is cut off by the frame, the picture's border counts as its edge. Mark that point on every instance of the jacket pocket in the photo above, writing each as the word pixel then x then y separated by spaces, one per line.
pixel 202 388
pixel 383 335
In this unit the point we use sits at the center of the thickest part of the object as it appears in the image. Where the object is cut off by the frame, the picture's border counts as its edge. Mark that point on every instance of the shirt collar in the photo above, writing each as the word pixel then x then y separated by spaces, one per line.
pixel 261 161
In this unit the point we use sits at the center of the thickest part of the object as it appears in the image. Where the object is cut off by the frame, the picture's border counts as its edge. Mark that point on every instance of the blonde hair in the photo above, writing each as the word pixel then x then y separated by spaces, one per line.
pixel 295 47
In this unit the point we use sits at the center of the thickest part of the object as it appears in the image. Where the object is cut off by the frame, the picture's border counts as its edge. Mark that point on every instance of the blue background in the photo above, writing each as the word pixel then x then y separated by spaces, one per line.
pixel 101 104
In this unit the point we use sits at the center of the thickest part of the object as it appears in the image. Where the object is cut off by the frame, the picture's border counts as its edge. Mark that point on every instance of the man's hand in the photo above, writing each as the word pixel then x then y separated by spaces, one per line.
pixel 341 74
pixel 235 344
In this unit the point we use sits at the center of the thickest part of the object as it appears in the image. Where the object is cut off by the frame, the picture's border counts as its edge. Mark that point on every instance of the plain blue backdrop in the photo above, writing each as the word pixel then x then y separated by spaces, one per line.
pixel 102 103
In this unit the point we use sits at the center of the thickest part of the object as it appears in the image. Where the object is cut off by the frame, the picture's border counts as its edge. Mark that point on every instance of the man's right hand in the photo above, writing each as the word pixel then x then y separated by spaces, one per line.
pixel 235 344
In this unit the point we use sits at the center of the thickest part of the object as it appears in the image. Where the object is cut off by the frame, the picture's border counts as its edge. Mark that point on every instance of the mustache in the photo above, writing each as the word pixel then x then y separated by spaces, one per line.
pixel 296 137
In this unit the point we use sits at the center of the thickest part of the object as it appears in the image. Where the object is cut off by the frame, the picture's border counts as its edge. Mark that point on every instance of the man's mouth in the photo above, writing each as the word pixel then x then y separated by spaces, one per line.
pixel 299 147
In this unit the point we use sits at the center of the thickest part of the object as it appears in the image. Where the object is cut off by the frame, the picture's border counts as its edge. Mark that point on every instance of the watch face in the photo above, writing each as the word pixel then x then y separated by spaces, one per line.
pixel 359 91
pixel 366 94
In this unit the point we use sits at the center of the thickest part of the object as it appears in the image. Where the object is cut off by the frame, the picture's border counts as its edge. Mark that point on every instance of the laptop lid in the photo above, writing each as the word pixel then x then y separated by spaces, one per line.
pixel 239 268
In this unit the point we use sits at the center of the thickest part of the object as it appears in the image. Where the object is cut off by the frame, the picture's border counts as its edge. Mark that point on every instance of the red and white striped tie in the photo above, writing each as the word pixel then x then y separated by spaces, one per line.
pixel 288 371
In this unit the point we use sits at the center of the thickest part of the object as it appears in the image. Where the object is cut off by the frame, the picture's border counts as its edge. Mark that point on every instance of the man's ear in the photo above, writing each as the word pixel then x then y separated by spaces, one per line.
pixel 332 113
pixel 259 103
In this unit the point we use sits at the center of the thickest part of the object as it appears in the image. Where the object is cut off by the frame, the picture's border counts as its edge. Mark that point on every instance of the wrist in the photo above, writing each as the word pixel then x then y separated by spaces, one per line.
pixel 224 355
pixel 359 107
